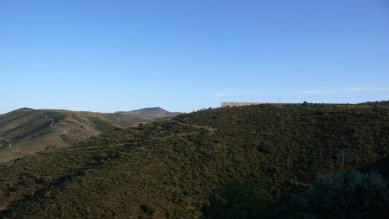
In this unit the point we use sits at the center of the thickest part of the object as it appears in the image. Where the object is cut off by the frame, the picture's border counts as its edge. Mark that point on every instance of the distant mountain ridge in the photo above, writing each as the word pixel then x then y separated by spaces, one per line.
pixel 153 112
pixel 26 131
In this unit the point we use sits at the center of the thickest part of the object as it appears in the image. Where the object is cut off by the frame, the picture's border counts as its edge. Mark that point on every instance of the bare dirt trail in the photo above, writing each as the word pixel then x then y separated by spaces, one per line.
pixel 210 129
pixel 75 149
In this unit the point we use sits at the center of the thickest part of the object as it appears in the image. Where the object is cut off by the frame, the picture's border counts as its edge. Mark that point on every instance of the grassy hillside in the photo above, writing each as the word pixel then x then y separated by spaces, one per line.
pixel 167 169
pixel 27 131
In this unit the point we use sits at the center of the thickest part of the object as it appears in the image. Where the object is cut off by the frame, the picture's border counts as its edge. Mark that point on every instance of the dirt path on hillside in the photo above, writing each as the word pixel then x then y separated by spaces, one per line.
pixel 180 135
pixel 175 135
pixel 75 149
pixel 210 129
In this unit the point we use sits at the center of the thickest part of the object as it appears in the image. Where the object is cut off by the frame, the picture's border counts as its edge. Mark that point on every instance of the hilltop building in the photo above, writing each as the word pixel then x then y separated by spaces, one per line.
pixel 235 104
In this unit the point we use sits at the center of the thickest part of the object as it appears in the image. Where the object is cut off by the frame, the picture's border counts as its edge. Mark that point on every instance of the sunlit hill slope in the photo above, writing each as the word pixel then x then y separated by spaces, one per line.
pixel 26 131
pixel 167 169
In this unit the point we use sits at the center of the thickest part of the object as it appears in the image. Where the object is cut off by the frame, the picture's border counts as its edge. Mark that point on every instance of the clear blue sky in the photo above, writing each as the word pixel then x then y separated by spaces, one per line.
pixel 108 55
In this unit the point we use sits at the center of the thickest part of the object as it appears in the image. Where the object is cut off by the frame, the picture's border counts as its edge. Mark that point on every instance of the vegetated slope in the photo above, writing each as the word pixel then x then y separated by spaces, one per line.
pixel 167 169
pixel 26 131
pixel 151 113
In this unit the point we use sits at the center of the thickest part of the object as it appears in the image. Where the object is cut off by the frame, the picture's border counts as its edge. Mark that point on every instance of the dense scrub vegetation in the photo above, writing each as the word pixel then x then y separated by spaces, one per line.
pixel 344 195
pixel 239 200
pixel 169 169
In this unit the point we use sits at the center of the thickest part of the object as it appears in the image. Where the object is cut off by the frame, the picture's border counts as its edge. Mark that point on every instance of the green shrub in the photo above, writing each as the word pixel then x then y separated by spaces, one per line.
pixel 147 209
pixel 343 195
pixel 237 200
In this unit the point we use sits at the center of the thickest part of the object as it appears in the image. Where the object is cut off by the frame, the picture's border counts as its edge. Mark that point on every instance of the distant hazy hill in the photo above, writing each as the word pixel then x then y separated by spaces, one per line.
pixel 151 113
pixel 26 131
pixel 167 169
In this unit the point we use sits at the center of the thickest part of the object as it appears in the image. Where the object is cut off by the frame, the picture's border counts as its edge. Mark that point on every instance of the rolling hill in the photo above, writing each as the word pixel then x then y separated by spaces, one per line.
pixel 150 113
pixel 167 169
pixel 26 131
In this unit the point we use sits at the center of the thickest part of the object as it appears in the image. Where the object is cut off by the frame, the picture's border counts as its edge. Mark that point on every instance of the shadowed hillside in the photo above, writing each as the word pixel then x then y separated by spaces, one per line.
pixel 167 169
pixel 26 131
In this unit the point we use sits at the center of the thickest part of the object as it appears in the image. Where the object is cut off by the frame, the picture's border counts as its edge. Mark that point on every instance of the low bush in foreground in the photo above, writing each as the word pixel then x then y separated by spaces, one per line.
pixel 343 195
